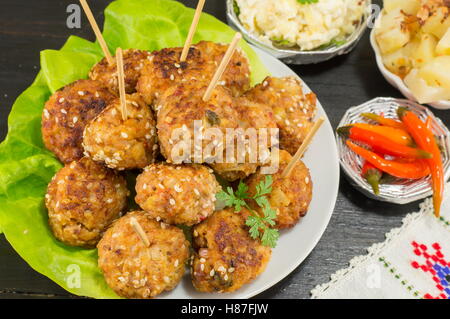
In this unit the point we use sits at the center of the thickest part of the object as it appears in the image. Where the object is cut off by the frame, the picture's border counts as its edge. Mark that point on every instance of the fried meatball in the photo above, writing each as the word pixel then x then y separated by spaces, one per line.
pixel 226 257
pixel 177 194
pixel 66 114
pixel 251 115
pixel 133 62
pixel 83 199
pixel 134 270
pixel 237 74
pixel 123 144
pixel 290 196
pixel 182 108
pixel 293 110
pixel 184 116
pixel 164 69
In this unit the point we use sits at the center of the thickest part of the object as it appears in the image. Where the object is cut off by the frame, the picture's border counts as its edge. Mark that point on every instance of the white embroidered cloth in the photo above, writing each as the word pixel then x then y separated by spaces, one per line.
pixel 413 262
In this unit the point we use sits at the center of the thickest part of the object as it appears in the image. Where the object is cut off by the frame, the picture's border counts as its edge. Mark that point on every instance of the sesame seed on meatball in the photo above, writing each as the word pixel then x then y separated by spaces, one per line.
pixel 182 107
pixel 237 74
pixel 123 144
pixel 290 196
pixel 163 69
pixel 177 194
pixel 66 114
pixel 134 270
pixel 226 257
pixel 252 116
pixel 293 110
pixel 83 199
pixel 133 62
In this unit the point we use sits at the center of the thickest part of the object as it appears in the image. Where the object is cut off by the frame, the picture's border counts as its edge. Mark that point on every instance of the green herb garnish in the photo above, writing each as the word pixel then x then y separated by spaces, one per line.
pixel 307 1
pixel 282 42
pixel 332 43
pixel 260 226
pixel 212 118
pixel 236 9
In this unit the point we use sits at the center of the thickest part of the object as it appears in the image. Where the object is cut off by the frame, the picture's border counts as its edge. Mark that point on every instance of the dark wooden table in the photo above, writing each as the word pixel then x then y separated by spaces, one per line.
pixel 27 27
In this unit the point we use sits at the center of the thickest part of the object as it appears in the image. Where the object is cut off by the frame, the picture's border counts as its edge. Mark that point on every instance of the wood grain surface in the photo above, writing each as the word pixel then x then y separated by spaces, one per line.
pixel 27 27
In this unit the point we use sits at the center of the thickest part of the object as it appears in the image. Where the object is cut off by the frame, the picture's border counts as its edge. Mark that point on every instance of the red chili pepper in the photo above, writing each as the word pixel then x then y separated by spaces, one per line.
pixel 380 143
pixel 409 170
pixel 383 120
pixel 424 137
pixel 395 134
pixel 373 176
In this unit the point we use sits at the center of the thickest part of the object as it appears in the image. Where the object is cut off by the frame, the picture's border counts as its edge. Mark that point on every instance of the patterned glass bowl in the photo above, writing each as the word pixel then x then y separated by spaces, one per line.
pixel 291 56
pixel 402 191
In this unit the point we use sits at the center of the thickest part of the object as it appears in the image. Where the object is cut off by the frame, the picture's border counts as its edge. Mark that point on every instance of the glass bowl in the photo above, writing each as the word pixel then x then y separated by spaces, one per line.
pixel 394 79
pixel 401 191
pixel 292 56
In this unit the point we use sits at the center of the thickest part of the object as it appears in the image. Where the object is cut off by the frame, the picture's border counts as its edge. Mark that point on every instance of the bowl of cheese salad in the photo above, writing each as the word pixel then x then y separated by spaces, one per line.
pixel 301 31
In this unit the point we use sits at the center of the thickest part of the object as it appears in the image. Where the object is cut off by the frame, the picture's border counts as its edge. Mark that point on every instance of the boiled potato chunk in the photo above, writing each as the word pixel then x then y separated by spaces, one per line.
pixel 399 62
pixel 412 46
pixel 426 50
pixel 408 6
pixel 422 91
pixel 437 72
pixel 389 34
pixel 390 20
pixel 392 40
pixel 443 47
pixel 438 23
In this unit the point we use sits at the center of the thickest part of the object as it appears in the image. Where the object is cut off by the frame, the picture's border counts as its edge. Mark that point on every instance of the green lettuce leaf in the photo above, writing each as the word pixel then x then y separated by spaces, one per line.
pixel 26 167
pixel 69 64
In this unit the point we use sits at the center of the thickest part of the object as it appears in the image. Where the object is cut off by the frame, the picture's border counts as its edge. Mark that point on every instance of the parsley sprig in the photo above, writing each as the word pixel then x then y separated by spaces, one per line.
pixel 260 226
pixel 307 1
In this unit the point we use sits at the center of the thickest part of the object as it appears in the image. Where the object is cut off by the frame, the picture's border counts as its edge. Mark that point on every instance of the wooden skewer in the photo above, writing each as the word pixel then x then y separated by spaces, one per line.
pixel 193 28
pixel 223 65
pixel 301 150
pixel 141 233
pixel 97 32
pixel 121 79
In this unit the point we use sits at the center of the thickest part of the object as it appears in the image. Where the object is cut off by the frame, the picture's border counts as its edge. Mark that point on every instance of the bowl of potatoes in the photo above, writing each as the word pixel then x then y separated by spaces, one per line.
pixel 411 40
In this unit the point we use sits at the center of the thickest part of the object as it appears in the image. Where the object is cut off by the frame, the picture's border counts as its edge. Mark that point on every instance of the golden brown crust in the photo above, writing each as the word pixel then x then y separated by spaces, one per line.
pixel 293 110
pixel 226 257
pixel 163 69
pixel 66 114
pixel 177 194
pixel 290 197
pixel 182 105
pixel 122 144
pixel 251 115
pixel 237 74
pixel 83 199
pixel 133 62
pixel 133 270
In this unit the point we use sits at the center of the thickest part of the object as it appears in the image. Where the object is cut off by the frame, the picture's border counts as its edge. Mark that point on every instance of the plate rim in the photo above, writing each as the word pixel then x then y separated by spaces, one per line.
pixel 261 53
pixel 286 271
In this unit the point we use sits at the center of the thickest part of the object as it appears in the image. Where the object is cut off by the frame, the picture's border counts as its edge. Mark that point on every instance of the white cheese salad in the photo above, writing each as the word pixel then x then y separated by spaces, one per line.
pixel 306 24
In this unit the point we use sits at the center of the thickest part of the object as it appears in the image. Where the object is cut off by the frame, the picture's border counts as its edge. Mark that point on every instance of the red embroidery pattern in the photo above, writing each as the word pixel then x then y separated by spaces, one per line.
pixel 436 266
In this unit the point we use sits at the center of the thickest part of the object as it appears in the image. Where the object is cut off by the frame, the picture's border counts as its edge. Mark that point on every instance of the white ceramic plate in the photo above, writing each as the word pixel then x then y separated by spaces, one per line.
pixel 295 244
pixel 396 81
